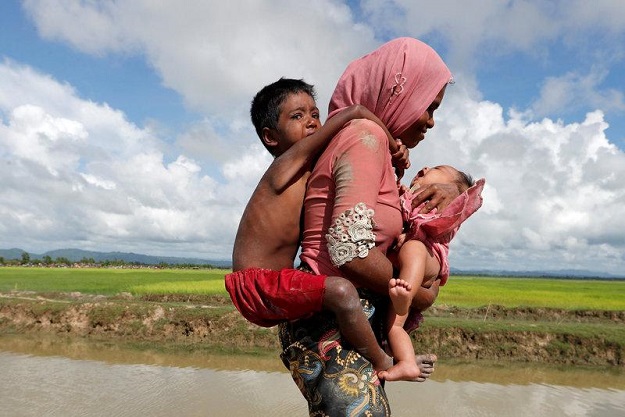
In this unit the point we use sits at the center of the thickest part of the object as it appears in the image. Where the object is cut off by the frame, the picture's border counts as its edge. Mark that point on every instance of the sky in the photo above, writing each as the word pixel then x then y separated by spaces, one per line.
pixel 124 125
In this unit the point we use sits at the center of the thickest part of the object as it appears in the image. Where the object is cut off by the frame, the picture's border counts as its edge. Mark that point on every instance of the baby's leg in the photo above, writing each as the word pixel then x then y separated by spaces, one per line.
pixel 342 299
pixel 401 296
pixel 406 367
pixel 412 260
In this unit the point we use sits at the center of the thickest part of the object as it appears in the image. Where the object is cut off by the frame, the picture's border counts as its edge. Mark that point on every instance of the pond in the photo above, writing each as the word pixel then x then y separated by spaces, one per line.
pixel 58 378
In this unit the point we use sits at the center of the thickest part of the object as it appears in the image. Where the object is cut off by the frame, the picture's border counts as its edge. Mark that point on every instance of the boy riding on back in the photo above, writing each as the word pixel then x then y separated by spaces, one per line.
pixel 264 286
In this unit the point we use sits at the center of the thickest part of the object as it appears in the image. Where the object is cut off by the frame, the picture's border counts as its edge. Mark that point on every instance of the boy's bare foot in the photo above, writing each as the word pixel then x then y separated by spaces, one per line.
pixel 399 292
pixel 426 366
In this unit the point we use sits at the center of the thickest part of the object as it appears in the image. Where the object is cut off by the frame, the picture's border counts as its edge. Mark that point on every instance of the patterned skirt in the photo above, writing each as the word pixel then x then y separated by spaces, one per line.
pixel 334 378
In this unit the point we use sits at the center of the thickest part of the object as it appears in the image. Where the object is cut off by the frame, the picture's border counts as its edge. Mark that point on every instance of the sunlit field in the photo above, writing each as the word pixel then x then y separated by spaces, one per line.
pixel 469 291
pixel 460 291
pixel 113 281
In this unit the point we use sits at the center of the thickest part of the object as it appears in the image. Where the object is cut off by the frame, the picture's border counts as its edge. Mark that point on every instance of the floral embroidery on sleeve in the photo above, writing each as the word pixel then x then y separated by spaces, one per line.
pixel 351 235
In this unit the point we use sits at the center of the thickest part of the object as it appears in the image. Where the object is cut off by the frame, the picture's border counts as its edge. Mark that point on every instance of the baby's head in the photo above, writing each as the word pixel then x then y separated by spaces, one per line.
pixel 442 174
pixel 283 113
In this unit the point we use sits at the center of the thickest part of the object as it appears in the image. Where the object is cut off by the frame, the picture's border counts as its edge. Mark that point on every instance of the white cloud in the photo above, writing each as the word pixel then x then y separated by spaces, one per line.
pixel 215 54
pixel 469 26
pixel 477 36
pixel 91 179
pixel 496 26
pixel 574 91
pixel 554 191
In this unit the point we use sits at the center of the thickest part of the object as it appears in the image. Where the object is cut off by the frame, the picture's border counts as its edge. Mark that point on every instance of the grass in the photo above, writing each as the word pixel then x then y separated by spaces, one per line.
pixel 470 292
pixel 597 336
pixel 460 291
pixel 113 281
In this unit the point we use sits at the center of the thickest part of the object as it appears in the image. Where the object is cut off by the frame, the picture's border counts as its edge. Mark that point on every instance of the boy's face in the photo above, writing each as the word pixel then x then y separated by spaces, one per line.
pixel 299 117
pixel 442 174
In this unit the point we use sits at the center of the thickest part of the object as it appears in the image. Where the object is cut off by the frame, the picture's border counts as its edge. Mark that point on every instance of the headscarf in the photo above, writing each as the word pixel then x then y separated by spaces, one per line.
pixel 397 82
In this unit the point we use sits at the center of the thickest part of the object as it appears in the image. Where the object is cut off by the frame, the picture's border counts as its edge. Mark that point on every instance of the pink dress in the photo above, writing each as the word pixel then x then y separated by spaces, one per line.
pixel 354 181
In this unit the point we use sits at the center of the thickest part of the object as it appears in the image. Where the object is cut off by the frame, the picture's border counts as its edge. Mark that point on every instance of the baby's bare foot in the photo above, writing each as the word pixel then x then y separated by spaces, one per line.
pixel 399 292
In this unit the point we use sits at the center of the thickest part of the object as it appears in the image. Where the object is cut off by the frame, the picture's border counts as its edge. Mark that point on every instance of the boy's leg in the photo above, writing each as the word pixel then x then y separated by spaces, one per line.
pixel 341 298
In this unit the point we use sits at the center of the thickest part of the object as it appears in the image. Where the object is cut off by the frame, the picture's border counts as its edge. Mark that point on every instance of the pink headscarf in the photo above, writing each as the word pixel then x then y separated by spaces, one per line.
pixel 397 82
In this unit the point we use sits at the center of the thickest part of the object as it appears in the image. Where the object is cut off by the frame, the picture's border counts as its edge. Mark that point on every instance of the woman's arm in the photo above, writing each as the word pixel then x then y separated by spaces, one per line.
pixel 373 272
pixel 425 297
pixel 361 170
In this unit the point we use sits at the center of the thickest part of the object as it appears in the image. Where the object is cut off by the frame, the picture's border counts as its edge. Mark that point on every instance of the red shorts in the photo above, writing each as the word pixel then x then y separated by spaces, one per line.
pixel 266 297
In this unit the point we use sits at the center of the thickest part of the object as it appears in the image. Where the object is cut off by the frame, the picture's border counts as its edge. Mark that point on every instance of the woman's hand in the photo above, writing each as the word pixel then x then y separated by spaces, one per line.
pixel 425 297
pixel 436 195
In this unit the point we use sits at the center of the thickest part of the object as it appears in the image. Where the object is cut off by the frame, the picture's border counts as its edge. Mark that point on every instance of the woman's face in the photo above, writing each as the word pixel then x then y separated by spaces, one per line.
pixel 416 132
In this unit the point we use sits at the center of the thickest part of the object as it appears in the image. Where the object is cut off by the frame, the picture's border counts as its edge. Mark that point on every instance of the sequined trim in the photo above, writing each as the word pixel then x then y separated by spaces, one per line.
pixel 352 235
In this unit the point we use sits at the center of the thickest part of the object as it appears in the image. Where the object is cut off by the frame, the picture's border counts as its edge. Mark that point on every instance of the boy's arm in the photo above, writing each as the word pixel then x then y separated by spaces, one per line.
pixel 291 164
pixel 400 156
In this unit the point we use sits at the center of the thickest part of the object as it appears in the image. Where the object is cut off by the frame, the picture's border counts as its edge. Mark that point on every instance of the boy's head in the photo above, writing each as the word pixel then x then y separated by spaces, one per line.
pixel 442 174
pixel 283 113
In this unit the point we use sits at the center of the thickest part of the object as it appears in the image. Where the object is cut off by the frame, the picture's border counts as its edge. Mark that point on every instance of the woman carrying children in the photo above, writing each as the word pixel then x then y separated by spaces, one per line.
pixel 352 217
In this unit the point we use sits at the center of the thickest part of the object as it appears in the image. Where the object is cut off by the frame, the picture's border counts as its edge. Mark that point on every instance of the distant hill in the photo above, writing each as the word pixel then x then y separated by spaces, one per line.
pixel 560 273
pixel 76 255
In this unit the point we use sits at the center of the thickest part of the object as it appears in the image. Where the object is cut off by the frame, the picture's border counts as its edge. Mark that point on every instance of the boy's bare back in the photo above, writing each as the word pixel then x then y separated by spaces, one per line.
pixel 269 232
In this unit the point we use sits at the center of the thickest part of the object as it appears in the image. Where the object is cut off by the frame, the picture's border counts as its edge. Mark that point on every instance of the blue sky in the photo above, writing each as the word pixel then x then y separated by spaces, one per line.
pixel 124 125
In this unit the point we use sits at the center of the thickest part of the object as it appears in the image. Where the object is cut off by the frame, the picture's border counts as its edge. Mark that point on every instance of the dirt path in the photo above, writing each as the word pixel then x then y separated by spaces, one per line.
pixel 595 338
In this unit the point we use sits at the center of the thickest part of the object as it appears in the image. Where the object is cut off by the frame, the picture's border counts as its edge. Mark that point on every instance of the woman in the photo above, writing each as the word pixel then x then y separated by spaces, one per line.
pixel 352 217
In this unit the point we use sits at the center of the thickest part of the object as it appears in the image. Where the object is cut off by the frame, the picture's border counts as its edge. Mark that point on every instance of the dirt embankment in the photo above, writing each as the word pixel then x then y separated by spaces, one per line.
pixel 522 334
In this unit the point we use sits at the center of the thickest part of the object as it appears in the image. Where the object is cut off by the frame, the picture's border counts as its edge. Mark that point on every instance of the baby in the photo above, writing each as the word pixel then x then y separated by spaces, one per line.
pixel 422 258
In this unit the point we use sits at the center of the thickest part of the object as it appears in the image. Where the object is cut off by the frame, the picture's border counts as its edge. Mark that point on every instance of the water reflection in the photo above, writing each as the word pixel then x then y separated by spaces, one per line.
pixel 49 378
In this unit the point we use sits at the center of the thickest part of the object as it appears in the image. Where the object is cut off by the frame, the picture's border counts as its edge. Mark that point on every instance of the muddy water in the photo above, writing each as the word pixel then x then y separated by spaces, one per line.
pixel 40 377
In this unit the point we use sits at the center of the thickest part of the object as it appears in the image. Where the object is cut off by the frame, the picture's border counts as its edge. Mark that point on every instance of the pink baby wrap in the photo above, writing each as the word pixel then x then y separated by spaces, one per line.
pixel 436 230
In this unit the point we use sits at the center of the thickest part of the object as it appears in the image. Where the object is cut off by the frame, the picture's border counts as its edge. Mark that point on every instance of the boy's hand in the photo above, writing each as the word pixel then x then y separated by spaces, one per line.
pixel 437 196
pixel 400 158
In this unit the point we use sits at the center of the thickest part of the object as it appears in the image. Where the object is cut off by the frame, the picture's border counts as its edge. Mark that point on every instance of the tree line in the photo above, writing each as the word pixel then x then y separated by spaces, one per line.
pixel 62 262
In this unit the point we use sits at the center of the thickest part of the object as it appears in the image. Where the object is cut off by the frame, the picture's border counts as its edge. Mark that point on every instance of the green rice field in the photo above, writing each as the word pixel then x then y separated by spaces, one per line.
pixel 109 281
pixel 460 291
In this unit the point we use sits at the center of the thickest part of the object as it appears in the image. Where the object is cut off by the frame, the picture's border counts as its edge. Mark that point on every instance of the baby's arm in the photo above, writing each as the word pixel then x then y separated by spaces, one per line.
pixel 299 157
